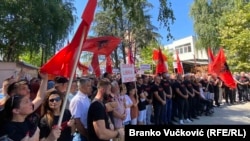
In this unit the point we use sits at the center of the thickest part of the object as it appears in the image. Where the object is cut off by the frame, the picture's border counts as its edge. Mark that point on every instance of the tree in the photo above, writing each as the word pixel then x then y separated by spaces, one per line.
pixel 234 32
pixel 135 11
pixel 106 23
pixel 33 59
pixel 223 23
pixel 115 20
pixel 206 15
pixel 29 24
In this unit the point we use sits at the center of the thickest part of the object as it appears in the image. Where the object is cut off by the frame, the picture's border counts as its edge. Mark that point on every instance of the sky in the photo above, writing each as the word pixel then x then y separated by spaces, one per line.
pixel 181 28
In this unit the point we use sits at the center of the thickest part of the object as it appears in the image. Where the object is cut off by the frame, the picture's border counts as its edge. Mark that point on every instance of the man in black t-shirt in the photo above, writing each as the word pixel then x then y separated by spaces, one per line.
pixel 242 85
pixel 191 97
pixel 99 128
pixel 182 99
pixel 167 86
pixel 159 101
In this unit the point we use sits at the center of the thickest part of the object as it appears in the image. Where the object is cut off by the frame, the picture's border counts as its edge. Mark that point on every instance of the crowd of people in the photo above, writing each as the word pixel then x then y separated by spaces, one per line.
pixel 100 108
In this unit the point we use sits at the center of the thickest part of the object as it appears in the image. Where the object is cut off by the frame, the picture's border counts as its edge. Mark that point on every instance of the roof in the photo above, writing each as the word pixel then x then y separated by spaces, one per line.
pixel 24 64
pixel 198 62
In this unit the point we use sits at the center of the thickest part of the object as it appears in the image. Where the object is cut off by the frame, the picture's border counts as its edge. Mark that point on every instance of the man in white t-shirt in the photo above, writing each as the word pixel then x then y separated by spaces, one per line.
pixel 79 106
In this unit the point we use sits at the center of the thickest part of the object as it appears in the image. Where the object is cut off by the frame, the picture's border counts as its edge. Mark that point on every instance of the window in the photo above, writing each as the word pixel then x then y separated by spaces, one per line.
pixel 189 49
pixel 181 50
pixel 185 49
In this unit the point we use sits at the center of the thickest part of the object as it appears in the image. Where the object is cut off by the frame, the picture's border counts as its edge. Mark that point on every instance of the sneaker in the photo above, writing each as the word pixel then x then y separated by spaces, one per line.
pixel 188 120
pixel 181 122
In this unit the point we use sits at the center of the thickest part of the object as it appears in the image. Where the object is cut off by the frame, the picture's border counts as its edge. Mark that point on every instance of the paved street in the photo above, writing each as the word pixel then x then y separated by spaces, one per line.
pixel 238 114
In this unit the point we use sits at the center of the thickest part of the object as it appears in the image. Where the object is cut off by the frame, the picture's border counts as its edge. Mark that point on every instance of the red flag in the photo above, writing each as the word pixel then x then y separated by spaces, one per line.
pixel 210 55
pixel 95 65
pixel 179 66
pixel 83 68
pixel 101 45
pixel 108 64
pixel 218 62
pixel 222 70
pixel 156 55
pixel 161 66
pixel 210 61
pixel 130 57
pixel 62 63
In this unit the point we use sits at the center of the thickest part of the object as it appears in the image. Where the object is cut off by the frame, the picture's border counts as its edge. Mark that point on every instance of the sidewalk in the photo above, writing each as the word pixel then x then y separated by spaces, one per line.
pixel 238 114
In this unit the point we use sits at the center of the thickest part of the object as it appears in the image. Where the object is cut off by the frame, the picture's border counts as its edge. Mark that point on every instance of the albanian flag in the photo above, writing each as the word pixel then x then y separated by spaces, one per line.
pixel 62 63
pixel 179 66
pixel 161 58
pixel 108 64
pixel 221 68
pixel 101 45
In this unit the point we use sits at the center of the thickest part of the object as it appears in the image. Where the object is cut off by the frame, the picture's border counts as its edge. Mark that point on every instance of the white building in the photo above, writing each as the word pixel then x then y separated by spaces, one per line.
pixel 188 54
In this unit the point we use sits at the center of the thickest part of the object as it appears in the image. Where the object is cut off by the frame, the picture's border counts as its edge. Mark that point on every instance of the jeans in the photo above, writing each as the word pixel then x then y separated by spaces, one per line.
pixel 79 137
pixel 149 110
pixel 168 112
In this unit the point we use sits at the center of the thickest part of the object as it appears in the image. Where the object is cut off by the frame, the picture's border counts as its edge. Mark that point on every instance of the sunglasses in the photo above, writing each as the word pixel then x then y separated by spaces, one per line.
pixel 55 99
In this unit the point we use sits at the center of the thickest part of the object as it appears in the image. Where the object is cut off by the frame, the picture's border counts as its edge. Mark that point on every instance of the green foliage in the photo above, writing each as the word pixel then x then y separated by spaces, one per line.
pixel 235 34
pixel 26 25
pixel 31 58
pixel 224 23
pixel 206 14
pixel 110 22
pixel 166 16
pixel 135 11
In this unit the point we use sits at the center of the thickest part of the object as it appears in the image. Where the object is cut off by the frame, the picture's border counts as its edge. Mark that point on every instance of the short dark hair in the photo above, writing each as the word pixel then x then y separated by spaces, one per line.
pixel 103 83
pixel 13 87
pixel 60 79
pixel 12 102
pixel 105 75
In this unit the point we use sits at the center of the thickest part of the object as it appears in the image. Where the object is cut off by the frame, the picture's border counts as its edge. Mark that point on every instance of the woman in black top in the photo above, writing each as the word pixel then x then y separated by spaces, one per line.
pixel 21 121
pixel 51 110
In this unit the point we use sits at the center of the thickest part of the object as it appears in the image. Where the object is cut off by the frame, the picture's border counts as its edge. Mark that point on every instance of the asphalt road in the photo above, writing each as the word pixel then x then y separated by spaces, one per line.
pixel 238 114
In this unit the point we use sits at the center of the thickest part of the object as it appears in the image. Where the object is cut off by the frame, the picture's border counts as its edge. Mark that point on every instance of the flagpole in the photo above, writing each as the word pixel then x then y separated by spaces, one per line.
pixel 72 76
pixel 195 65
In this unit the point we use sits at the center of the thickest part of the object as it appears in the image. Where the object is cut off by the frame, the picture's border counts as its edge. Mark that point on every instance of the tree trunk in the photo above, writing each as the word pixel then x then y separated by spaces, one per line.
pixel 123 53
pixel 116 59
pixel 42 57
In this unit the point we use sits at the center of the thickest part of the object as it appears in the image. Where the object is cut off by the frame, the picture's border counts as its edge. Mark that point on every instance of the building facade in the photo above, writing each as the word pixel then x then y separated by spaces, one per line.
pixel 191 58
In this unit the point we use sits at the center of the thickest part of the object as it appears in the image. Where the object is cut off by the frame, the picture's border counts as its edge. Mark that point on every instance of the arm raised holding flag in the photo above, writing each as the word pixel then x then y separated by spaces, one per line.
pixel 64 63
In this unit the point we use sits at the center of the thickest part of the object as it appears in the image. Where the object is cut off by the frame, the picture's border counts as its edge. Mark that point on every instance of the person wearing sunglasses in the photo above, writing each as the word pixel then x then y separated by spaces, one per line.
pixel 50 111
pixel 18 126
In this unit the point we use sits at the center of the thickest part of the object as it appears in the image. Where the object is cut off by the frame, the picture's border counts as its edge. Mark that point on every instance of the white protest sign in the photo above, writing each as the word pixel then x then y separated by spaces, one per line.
pixel 115 70
pixel 127 73
pixel 144 67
